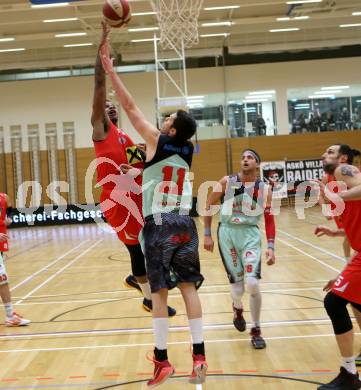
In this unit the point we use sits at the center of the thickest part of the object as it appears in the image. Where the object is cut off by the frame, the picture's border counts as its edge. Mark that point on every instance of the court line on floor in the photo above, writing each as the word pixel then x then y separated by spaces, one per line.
pixel 312 245
pixel 186 342
pixel 21 303
pixel 58 272
pixel 308 255
pixel 172 329
pixel 26 280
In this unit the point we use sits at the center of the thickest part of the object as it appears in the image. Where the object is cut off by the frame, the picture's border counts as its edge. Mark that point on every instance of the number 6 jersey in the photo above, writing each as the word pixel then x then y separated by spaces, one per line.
pixel 166 178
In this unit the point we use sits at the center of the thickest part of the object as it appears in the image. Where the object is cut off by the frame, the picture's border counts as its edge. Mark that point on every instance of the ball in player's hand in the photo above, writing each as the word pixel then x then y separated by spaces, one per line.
pixel 116 13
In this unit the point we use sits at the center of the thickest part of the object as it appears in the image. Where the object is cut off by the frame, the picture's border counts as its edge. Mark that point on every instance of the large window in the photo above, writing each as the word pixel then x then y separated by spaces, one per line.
pixel 324 108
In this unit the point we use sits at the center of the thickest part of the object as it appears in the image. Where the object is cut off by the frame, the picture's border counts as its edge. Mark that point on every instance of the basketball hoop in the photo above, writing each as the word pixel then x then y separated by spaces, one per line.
pixel 178 22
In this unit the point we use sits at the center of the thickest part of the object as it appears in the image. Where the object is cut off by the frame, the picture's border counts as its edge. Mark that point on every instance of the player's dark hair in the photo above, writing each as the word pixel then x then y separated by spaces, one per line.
pixel 258 157
pixel 185 125
pixel 349 152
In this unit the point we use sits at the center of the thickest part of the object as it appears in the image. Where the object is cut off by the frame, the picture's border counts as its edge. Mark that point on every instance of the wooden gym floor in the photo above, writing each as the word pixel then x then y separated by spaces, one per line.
pixel 89 332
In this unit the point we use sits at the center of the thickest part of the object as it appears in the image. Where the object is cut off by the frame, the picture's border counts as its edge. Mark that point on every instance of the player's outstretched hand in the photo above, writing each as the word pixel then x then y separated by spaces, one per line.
pixel 270 256
pixel 329 285
pixel 324 231
pixel 208 243
pixel 3 237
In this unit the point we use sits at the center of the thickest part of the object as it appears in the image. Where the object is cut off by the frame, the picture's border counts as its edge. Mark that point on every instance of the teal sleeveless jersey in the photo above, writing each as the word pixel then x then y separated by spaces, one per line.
pixel 242 205
pixel 166 178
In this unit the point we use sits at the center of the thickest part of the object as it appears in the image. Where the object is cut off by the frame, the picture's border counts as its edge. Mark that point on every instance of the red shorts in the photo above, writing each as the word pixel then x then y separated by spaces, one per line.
pixel 125 217
pixel 4 246
pixel 348 284
pixel 338 222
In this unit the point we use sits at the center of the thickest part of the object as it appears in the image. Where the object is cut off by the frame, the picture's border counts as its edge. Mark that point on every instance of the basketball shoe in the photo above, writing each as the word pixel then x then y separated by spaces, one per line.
pixel 131 282
pixel 256 339
pixel 162 371
pixel 344 381
pixel 16 320
pixel 147 306
pixel 199 372
pixel 238 320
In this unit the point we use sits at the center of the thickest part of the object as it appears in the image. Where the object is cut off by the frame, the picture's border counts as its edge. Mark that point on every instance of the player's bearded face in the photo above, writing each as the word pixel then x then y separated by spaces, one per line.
pixel 331 159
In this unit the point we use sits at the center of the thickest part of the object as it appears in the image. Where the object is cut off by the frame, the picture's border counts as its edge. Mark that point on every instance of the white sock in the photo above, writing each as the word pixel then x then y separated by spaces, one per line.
pixel 237 291
pixel 196 327
pixel 349 364
pixel 9 309
pixel 146 290
pixel 160 328
pixel 255 300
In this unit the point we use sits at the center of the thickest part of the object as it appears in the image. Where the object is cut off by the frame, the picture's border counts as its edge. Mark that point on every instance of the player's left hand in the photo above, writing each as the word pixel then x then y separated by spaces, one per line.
pixel 324 230
pixel 270 256
pixel 126 168
pixel 3 237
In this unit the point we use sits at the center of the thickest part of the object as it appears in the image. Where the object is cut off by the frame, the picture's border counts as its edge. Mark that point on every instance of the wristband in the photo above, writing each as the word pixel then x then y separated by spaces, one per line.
pixel 271 245
pixel 207 232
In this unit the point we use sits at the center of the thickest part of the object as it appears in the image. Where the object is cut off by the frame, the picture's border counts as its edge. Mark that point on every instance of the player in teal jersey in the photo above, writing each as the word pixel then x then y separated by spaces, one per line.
pixel 246 199
pixel 170 240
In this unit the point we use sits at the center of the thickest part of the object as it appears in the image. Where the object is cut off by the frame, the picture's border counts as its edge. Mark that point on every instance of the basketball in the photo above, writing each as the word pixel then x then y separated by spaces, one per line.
pixel 116 12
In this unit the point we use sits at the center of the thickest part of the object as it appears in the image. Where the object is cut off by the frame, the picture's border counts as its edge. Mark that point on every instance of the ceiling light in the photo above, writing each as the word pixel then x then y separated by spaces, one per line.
pixel 284 30
pixel 144 40
pixel 143 29
pixel 255 101
pixel 195 97
pixel 7 39
pixel 59 20
pixel 78 44
pixel 350 25
pixel 356 13
pixel 7 50
pixel 49 5
pixel 285 19
pixel 217 24
pixel 329 91
pixel 321 96
pixel 222 7
pixel 143 13
pixel 259 97
pixel 336 87
pixel 79 34
pixel 261 92
pixel 214 35
pixel 303 1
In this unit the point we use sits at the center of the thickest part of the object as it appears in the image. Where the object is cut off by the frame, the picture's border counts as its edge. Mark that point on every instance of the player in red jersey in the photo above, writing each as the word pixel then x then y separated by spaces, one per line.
pixel 346 288
pixel 119 166
pixel 12 318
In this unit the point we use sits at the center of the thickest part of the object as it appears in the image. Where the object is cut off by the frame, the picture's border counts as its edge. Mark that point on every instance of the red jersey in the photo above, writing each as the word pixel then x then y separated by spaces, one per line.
pixel 125 211
pixel 336 218
pixel 4 246
pixel 120 149
pixel 351 218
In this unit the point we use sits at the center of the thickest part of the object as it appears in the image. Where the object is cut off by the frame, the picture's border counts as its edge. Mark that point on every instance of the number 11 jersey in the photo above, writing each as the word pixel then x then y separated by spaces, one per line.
pixel 166 178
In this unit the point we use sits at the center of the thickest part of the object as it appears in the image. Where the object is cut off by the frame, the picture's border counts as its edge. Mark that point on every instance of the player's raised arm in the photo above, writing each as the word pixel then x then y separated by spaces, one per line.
pixel 351 176
pixel 99 119
pixel 213 199
pixel 145 129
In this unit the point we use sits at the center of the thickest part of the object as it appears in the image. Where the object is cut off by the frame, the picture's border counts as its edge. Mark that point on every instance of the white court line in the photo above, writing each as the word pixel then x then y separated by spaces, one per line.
pixel 313 246
pixel 133 345
pixel 46 267
pixel 21 303
pixel 58 272
pixel 269 324
pixel 308 255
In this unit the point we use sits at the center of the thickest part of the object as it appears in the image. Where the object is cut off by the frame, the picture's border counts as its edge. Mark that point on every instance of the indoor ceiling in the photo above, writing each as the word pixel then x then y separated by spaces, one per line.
pixel 314 25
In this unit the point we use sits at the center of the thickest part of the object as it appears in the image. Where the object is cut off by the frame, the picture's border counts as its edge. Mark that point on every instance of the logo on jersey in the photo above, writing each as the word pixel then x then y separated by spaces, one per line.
pixel 122 140
pixel 337 284
pixel 234 257
pixel 134 155
pixel 249 255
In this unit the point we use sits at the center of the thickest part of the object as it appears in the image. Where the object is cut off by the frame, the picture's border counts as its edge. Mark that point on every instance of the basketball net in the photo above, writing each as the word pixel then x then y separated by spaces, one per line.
pixel 178 22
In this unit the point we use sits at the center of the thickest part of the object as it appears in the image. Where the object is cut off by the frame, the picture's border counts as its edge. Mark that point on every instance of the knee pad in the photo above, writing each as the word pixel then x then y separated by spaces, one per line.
pixel 253 285
pixel 336 308
pixel 137 260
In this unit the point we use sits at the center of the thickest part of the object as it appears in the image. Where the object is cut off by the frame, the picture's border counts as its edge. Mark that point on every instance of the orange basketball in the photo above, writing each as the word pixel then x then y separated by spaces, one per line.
pixel 116 12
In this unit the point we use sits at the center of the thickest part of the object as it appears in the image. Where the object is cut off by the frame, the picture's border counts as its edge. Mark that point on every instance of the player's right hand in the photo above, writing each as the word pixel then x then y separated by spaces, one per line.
pixel 208 243
pixel 3 237
pixel 329 285
pixel 324 230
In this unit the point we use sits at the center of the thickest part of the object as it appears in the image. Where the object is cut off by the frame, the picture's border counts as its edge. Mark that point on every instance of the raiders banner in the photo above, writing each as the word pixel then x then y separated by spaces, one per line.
pixel 274 173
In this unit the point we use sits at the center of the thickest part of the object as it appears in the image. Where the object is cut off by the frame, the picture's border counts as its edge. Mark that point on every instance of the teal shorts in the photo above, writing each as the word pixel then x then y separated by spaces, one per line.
pixel 240 249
